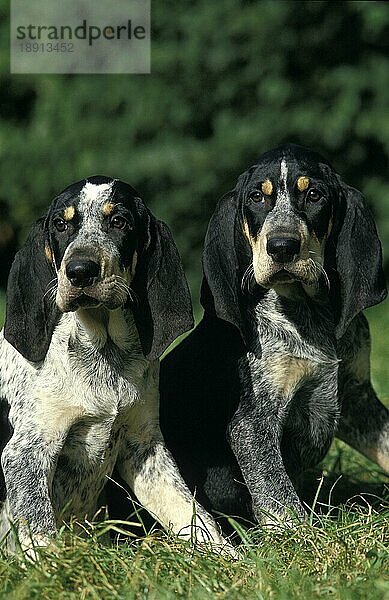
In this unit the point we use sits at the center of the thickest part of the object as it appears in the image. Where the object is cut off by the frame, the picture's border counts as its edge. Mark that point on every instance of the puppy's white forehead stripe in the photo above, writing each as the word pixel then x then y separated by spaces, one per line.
pixel 92 199
pixel 92 193
pixel 283 198
pixel 284 172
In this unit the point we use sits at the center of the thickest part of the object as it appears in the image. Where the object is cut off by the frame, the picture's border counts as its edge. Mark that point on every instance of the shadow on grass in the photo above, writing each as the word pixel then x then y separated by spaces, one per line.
pixel 326 491
pixel 336 491
pixel 346 478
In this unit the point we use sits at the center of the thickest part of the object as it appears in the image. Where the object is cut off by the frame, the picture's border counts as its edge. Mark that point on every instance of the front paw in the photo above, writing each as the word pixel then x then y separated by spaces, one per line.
pixel 204 534
pixel 279 517
pixel 31 543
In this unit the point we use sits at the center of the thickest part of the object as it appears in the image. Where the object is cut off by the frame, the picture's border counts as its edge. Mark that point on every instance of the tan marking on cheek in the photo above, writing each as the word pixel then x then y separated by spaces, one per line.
pixel 68 213
pixel 261 260
pixel 315 240
pixel 108 209
pixel 302 183
pixel 260 244
pixel 49 254
pixel 255 243
pixel 312 259
pixel 284 373
pixel 63 289
pixel 262 263
pixel 267 187
pixel 316 246
pixel 248 235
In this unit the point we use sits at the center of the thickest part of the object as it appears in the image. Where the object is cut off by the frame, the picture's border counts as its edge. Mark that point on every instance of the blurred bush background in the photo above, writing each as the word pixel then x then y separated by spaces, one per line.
pixel 230 79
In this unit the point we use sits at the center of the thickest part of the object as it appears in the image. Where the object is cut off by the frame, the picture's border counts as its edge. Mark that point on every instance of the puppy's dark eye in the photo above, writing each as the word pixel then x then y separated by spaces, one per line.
pixel 118 222
pixel 256 196
pixel 314 195
pixel 60 224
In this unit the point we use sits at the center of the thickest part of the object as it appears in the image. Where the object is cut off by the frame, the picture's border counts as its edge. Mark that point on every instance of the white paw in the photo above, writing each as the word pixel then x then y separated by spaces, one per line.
pixel 206 536
pixel 30 544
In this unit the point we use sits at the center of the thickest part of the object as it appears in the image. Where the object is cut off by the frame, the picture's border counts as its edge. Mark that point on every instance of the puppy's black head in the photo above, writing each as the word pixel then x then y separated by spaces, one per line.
pixel 85 208
pixel 96 230
pixel 98 245
pixel 289 224
pixel 287 206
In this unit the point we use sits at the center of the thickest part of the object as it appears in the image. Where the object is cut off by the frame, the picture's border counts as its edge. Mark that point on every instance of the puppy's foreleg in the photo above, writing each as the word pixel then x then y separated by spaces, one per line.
pixel 150 471
pixel 255 440
pixel 28 463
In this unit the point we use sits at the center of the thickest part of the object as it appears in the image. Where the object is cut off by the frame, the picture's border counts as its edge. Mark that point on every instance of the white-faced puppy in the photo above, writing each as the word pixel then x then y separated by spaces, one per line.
pixel 94 297
pixel 280 362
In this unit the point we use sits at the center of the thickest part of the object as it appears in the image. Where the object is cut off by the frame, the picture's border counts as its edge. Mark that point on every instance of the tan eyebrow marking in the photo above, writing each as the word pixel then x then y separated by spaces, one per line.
pixel 267 187
pixel 108 209
pixel 302 183
pixel 49 254
pixel 68 213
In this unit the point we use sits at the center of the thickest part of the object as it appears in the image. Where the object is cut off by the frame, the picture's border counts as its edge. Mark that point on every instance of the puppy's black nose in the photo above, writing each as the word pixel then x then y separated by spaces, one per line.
pixel 82 272
pixel 283 250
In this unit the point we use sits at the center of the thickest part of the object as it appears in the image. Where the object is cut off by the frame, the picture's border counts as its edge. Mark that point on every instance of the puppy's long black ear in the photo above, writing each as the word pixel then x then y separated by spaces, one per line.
pixel 358 260
pixel 31 313
pixel 225 258
pixel 164 309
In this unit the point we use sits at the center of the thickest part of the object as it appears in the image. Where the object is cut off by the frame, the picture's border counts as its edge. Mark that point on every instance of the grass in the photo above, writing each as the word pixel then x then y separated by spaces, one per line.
pixel 341 553
pixel 343 557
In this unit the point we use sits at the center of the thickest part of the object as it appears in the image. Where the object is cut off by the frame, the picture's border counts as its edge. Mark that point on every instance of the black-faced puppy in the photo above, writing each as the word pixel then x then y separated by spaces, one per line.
pixel 279 364
pixel 94 297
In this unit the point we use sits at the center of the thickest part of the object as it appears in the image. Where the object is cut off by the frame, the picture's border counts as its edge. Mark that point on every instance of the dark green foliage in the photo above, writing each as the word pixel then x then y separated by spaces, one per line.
pixel 229 80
